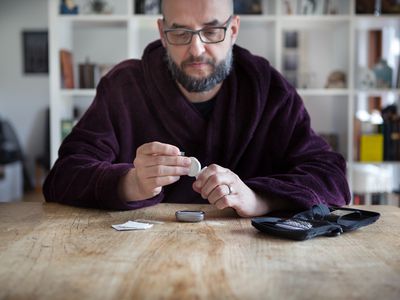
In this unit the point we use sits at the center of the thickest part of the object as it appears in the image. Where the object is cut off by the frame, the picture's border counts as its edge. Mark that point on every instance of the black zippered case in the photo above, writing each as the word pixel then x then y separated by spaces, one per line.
pixel 320 220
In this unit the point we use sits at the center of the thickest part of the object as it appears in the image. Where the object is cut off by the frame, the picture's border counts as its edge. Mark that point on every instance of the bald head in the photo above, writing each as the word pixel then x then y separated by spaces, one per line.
pixel 226 5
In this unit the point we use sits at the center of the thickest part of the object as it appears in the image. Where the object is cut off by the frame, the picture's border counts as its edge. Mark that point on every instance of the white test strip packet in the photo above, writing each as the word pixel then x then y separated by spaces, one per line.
pixel 131 225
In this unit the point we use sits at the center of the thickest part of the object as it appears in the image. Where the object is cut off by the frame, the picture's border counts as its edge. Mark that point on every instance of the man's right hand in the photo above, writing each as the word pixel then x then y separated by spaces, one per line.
pixel 155 165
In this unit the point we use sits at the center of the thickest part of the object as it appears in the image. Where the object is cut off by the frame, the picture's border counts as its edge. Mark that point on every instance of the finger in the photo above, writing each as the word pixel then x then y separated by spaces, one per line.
pixel 224 202
pixel 156 160
pixel 217 193
pixel 160 171
pixel 219 181
pixel 158 149
pixel 156 182
pixel 203 177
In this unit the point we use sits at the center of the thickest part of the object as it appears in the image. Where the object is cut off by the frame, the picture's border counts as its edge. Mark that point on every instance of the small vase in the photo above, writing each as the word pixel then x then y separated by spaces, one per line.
pixel 383 74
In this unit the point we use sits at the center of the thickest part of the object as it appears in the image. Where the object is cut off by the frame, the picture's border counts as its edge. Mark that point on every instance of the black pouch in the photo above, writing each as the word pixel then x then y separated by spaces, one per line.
pixel 317 221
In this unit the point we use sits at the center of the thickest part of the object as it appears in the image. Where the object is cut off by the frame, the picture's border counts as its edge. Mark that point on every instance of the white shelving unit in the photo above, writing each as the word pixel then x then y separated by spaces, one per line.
pixel 328 43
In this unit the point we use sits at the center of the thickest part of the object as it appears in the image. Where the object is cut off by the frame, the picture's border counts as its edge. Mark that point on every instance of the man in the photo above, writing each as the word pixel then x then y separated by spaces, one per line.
pixel 194 91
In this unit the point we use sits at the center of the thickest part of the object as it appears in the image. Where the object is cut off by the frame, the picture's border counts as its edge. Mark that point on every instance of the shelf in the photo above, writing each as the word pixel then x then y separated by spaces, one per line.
pixel 314 22
pixel 368 22
pixel 378 92
pixel 258 18
pixel 324 44
pixel 323 92
pixel 146 17
pixel 382 163
pixel 78 92
pixel 93 18
pixel 316 18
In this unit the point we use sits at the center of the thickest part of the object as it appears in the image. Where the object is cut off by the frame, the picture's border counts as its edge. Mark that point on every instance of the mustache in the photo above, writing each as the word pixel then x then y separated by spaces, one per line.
pixel 199 59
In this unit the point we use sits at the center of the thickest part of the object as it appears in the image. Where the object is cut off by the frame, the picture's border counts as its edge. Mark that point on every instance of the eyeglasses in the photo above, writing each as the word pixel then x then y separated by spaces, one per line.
pixel 208 35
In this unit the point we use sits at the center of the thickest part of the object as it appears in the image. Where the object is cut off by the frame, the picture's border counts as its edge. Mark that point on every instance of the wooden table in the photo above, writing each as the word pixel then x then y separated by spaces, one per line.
pixel 51 251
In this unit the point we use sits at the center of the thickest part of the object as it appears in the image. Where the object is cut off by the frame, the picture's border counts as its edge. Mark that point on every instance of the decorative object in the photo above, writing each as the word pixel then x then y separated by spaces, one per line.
pixel 384 74
pixel 86 75
pixel 244 7
pixel 289 8
pixel 68 7
pixel 378 7
pixel 148 7
pixel 366 79
pixel 36 52
pixel 99 7
pixel 308 7
pixel 330 7
pixel 336 80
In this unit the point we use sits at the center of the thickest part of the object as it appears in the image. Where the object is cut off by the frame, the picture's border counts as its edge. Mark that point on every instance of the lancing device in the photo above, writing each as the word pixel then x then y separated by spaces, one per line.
pixel 189 215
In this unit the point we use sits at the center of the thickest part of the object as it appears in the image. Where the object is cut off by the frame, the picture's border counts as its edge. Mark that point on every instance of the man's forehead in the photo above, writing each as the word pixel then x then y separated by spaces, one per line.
pixel 193 8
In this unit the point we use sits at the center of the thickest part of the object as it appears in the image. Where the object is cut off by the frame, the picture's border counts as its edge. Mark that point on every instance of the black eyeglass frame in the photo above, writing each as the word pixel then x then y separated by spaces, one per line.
pixel 193 32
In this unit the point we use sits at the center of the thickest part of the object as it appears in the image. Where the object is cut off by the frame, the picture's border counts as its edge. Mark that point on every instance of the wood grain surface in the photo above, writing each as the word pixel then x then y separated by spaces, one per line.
pixel 51 251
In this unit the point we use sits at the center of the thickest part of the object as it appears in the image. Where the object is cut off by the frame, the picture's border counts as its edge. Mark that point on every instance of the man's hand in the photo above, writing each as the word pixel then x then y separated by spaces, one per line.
pixel 156 165
pixel 223 188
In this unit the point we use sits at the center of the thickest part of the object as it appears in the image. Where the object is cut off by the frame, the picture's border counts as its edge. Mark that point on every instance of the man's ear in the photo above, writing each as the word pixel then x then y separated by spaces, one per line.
pixel 160 24
pixel 234 26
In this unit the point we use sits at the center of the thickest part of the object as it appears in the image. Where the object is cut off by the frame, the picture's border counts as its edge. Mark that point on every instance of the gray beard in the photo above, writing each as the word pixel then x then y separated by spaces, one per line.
pixel 198 85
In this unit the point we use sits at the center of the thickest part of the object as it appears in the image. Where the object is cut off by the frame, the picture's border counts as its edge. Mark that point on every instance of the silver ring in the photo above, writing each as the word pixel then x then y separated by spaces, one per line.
pixel 230 189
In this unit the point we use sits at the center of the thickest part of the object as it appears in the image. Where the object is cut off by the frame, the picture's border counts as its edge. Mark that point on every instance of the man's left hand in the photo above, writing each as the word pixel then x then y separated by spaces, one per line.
pixel 223 188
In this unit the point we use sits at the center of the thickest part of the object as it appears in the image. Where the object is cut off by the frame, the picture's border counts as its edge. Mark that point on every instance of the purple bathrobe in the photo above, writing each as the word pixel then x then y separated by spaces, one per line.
pixel 259 129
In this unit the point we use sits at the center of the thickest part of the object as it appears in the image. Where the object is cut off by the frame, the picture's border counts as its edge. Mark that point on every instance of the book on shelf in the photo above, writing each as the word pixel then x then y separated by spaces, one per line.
pixel 377 7
pixel 365 7
pixel 67 70
pixel 390 7
pixel 374 47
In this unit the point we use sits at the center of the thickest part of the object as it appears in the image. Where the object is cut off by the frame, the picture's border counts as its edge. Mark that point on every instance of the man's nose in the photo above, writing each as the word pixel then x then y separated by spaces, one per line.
pixel 196 46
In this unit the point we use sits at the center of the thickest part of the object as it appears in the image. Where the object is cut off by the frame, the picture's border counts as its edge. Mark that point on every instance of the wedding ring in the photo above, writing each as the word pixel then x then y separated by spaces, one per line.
pixel 230 189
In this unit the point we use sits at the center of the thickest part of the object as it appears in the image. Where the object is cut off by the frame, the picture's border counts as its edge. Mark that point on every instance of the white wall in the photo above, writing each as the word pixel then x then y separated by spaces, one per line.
pixel 23 98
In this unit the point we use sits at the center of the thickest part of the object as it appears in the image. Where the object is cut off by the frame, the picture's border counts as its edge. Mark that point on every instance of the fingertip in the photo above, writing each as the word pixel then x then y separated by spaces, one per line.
pixel 197 185
pixel 200 172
